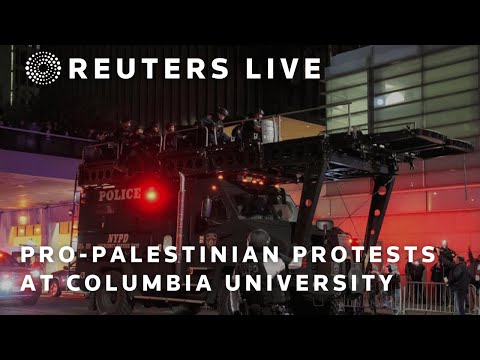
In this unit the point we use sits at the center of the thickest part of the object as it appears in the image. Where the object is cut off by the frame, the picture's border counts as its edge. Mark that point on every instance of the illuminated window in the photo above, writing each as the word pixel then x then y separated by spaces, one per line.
pixel 21 231
pixel 64 227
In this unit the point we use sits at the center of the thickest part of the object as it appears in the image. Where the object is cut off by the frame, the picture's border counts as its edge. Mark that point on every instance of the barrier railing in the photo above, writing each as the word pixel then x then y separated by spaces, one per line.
pixel 41 143
pixel 433 297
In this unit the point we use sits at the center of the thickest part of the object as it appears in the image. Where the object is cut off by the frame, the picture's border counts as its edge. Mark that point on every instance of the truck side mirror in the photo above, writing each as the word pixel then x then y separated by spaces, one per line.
pixel 325 225
pixel 206 208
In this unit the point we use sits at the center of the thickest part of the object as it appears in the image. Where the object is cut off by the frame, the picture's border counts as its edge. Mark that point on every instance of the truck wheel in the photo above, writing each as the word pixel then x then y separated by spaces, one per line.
pixel 54 289
pixel 32 300
pixel 113 302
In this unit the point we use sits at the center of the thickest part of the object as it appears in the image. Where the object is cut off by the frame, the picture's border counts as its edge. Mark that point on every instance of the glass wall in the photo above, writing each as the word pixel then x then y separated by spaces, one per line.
pixel 353 88
pixel 438 91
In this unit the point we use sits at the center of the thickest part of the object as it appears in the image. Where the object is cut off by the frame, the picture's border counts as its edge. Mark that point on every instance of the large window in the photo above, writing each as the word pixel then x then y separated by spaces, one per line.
pixel 438 91
pixel 347 88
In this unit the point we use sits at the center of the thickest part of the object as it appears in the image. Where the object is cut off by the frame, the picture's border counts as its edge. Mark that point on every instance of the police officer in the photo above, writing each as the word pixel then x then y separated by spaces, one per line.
pixel 173 139
pixel 124 132
pixel 214 124
pixel 261 302
pixel 153 135
pixel 252 127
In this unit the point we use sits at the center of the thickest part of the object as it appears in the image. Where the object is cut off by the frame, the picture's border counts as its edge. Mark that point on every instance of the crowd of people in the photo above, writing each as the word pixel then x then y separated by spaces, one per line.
pixel 449 283
pixel 214 122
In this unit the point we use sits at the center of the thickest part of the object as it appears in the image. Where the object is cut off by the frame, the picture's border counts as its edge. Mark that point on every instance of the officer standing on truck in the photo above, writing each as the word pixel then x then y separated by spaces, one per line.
pixel 252 127
pixel 261 302
pixel 124 132
pixel 214 124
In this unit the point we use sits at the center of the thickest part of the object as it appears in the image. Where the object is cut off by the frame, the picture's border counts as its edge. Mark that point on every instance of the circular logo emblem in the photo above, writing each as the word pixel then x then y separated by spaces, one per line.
pixel 43 68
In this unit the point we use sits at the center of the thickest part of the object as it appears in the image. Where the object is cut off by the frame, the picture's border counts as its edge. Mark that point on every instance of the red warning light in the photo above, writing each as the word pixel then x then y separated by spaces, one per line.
pixel 151 194
pixel 214 187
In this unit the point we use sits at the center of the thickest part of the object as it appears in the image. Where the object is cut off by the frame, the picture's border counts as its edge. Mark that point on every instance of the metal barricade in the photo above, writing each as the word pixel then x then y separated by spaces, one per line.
pixel 108 151
pixel 436 297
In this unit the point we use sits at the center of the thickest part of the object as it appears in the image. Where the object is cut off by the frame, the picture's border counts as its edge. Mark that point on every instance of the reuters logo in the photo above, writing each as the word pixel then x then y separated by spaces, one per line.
pixel 43 68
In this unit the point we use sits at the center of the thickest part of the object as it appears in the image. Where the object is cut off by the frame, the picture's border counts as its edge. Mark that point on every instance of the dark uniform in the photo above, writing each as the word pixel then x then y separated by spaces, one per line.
pixel 153 136
pixel 173 139
pixel 458 280
pixel 252 127
pixel 214 124
pixel 261 302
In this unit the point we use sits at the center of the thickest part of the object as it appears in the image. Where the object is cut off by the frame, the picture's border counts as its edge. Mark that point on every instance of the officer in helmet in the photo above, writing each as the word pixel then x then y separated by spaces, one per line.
pixel 173 139
pixel 261 302
pixel 125 131
pixel 252 127
pixel 214 124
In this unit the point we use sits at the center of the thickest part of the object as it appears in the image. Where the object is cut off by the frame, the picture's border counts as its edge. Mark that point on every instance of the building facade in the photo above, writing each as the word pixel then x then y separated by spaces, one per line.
pixel 421 86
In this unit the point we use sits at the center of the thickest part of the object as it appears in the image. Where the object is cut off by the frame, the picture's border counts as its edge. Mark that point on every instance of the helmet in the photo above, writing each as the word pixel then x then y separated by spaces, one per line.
pixel 260 111
pixel 222 111
pixel 258 239
pixel 170 124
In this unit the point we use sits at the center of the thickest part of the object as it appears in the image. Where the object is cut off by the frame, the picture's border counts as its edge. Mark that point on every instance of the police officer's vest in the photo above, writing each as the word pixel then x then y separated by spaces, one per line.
pixel 263 297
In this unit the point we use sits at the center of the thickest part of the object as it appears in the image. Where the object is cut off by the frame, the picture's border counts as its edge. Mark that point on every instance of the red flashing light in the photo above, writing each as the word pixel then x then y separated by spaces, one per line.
pixel 151 194
pixel 214 187
pixel 353 242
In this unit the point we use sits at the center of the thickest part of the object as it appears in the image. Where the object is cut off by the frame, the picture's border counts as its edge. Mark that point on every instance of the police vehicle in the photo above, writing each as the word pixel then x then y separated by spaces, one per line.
pixel 215 195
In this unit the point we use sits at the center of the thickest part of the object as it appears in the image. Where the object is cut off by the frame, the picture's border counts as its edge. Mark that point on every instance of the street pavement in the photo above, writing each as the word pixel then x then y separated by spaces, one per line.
pixel 72 304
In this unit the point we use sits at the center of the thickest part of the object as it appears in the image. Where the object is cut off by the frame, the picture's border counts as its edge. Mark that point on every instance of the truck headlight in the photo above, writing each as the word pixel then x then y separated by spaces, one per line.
pixel 6 285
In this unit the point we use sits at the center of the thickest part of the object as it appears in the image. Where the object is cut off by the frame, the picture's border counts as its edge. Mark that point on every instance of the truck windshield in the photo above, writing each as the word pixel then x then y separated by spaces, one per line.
pixel 263 207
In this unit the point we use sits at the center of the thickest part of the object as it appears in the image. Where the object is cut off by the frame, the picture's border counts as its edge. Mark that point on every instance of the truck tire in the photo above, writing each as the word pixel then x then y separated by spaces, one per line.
pixel 113 302
pixel 32 300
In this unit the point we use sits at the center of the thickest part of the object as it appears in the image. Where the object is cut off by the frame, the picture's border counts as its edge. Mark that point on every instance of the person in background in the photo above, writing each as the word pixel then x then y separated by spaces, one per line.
pixel 92 134
pixel 394 288
pixel 438 283
pixel 474 272
pixel 375 289
pixel 418 272
pixel 458 280
pixel 449 254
